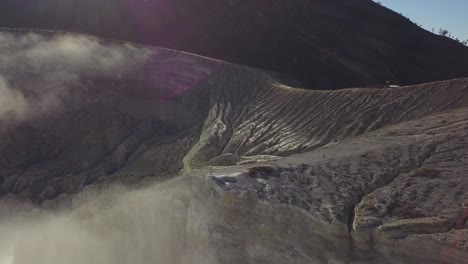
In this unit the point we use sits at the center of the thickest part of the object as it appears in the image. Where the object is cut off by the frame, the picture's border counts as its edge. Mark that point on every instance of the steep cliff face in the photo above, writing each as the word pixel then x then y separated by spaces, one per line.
pixel 395 195
pixel 354 175
pixel 322 43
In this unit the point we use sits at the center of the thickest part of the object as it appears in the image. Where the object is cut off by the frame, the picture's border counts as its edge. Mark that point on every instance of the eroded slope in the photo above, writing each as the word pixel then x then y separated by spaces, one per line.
pixel 126 112
pixel 395 195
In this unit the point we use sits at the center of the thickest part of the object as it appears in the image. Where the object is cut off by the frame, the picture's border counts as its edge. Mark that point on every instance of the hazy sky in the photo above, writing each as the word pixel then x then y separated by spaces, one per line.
pixel 449 14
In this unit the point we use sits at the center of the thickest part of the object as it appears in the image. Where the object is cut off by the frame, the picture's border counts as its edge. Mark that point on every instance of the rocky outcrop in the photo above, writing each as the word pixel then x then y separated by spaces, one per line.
pixel 395 195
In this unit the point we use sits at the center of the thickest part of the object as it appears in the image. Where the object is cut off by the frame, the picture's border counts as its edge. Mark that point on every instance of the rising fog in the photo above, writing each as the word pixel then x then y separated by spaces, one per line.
pixel 38 71
pixel 110 227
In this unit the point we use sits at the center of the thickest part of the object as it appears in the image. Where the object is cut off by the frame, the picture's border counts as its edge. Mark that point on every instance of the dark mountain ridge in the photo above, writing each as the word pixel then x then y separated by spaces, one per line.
pixel 323 44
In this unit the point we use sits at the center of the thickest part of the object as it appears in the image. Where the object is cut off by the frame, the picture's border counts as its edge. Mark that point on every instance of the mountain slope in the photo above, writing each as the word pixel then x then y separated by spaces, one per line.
pixel 181 110
pixel 268 173
pixel 323 44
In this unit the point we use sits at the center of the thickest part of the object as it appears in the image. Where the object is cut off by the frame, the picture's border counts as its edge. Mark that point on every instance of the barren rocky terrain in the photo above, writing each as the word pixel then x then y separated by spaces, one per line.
pixel 269 173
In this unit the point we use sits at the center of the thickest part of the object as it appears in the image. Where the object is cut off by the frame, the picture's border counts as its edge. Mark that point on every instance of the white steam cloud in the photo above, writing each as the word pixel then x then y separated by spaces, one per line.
pixel 37 72
pixel 116 226
pixel 13 105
